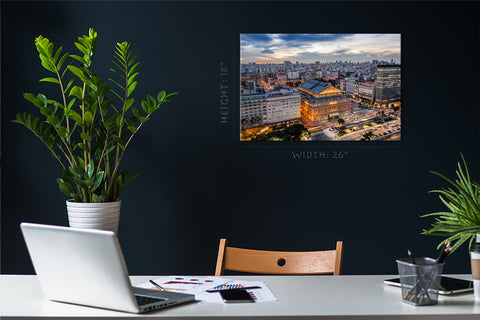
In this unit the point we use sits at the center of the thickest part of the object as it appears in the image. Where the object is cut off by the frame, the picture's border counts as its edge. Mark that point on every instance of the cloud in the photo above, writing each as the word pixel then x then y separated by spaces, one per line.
pixel 267 51
pixel 319 47
pixel 255 38
pixel 341 51
pixel 308 38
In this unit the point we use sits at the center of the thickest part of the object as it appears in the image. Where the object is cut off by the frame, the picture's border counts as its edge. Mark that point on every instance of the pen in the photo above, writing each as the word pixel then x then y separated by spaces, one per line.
pixel 245 288
pixel 157 285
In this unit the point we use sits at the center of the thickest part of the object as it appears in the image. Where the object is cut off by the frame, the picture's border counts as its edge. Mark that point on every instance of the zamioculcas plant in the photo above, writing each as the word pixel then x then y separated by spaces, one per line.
pixel 91 126
pixel 462 222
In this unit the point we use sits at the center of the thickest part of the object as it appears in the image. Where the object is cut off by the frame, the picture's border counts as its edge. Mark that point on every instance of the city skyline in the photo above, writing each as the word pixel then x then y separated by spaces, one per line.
pixel 310 48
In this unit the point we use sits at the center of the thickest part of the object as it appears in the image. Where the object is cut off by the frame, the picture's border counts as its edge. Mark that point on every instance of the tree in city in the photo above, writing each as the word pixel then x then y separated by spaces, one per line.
pixel 296 132
pixel 341 121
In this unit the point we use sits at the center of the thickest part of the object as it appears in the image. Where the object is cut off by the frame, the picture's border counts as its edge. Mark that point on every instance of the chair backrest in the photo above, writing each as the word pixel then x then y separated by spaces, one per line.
pixel 279 262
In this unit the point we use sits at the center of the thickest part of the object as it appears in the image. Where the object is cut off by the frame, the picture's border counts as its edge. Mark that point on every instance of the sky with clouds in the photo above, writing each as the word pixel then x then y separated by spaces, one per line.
pixel 309 48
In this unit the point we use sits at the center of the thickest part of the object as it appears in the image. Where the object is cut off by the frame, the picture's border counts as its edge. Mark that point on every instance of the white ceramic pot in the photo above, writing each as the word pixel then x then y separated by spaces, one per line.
pixel 99 215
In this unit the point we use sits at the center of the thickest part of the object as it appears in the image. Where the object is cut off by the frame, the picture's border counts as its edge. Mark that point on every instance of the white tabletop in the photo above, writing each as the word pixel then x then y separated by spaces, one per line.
pixel 300 297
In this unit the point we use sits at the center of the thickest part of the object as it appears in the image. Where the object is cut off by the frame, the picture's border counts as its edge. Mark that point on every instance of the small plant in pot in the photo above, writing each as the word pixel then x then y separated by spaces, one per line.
pixel 461 222
pixel 90 127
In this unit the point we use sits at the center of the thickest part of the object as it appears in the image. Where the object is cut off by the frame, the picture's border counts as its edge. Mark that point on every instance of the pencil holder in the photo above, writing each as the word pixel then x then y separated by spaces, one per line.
pixel 420 281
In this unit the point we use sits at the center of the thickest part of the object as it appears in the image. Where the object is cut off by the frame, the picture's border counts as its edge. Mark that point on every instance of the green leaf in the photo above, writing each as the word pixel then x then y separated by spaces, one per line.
pixel 71 131
pixel 74 116
pixel 84 184
pixel 85 136
pixel 131 88
pixel 132 129
pixel 48 65
pixel 50 49
pixel 97 180
pixel 96 197
pixel 62 60
pixel 77 92
pixel 57 54
pixel 129 103
pixel 118 119
pixel 62 131
pixel 102 89
pixel 71 103
pixel 143 119
pixel 82 146
pixel 171 95
pixel 43 99
pixel 77 71
pixel 81 48
pixel 33 99
pixel 132 70
pixel 77 171
pixel 51 119
pixel 145 106
pixel 118 84
pixel 65 187
pixel 137 113
pixel 90 169
pixel 161 96
pixel 151 101
pixel 133 77
pixel 88 117
pixel 49 80
pixel 78 58
pixel 69 83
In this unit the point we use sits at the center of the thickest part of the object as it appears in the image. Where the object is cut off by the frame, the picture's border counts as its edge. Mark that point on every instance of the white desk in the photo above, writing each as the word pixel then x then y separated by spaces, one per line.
pixel 300 297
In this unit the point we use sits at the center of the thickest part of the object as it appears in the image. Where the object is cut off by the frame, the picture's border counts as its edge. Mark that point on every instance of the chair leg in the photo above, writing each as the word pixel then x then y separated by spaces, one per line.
pixel 338 258
pixel 220 258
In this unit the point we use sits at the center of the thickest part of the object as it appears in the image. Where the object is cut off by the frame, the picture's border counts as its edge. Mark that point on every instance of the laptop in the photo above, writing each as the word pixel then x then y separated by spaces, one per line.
pixel 86 267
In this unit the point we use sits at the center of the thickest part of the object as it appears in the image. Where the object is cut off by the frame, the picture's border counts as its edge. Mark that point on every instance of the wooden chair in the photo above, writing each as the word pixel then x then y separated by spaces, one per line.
pixel 279 262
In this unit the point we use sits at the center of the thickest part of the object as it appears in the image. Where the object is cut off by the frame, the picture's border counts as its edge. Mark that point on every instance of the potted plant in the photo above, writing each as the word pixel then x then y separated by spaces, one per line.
pixel 90 127
pixel 461 222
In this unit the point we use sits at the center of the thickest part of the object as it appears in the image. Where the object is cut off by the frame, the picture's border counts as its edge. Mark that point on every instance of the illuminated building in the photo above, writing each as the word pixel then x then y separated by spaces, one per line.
pixel 292 75
pixel 366 90
pixel 281 78
pixel 350 86
pixel 388 84
pixel 283 106
pixel 321 101
pixel 253 108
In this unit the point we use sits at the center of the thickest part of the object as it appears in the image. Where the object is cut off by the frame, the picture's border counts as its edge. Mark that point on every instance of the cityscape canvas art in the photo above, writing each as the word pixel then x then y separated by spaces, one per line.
pixel 320 87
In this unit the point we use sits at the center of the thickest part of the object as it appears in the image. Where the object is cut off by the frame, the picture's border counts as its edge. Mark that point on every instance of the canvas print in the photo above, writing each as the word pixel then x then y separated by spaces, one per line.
pixel 320 87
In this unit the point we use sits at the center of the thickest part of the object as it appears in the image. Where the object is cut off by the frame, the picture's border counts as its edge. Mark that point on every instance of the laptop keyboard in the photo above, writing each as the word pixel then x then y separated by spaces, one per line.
pixel 142 300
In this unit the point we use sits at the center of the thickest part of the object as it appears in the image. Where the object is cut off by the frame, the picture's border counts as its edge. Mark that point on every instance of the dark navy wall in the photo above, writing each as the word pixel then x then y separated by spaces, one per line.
pixel 199 183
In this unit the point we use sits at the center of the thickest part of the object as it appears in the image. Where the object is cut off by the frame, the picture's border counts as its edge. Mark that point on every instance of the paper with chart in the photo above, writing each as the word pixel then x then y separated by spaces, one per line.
pixel 183 284
pixel 199 286
pixel 259 295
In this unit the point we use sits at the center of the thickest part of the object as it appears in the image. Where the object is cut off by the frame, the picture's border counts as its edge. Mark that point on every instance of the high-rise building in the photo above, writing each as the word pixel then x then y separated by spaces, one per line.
pixel 253 108
pixel 292 75
pixel 350 86
pixel 321 101
pixel 283 105
pixel 366 90
pixel 281 78
pixel 388 85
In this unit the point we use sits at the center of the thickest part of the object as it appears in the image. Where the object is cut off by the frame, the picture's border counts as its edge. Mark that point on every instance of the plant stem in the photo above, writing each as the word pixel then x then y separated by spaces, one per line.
pixel 61 88
pixel 83 125
pixel 113 181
